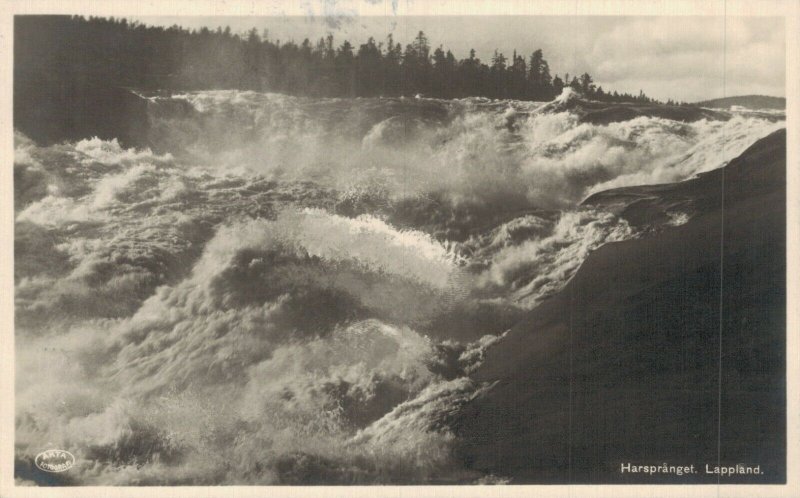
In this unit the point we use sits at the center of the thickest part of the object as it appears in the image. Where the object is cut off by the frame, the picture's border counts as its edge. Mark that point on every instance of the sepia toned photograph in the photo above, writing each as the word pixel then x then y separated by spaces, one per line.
pixel 346 250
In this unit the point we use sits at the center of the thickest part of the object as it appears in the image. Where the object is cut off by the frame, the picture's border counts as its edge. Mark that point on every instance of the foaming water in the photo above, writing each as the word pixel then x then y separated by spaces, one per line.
pixel 471 149
pixel 289 290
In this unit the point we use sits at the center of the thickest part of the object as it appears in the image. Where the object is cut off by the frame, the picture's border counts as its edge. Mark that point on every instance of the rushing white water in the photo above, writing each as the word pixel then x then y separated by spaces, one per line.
pixel 295 290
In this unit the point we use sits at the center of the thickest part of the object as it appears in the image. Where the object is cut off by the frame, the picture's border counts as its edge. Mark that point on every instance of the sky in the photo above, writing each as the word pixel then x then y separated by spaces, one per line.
pixel 683 58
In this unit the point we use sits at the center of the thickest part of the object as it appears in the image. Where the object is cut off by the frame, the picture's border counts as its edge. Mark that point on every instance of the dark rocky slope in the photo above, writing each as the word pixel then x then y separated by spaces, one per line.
pixel 624 364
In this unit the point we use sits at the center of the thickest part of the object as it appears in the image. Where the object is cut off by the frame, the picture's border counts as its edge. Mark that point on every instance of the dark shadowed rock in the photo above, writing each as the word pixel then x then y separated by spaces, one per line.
pixel 667 349
pixel 744 178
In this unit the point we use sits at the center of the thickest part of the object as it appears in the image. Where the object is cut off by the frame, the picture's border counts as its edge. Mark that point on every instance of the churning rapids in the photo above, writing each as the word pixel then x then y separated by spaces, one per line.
pixel 290 290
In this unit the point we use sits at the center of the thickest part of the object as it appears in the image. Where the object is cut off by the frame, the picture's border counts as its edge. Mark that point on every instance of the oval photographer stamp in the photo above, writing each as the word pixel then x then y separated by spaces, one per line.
pixel 54 460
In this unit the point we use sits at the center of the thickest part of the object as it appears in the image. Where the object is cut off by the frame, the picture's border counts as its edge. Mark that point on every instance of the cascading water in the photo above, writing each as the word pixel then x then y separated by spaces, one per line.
pixel 293 289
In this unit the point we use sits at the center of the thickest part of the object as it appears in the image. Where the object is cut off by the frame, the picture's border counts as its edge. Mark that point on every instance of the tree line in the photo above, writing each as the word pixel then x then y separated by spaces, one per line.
pixel 118 52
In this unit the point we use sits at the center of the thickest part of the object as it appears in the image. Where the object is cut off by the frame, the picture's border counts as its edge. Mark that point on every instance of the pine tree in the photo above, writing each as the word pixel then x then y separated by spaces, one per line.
pixel 145 57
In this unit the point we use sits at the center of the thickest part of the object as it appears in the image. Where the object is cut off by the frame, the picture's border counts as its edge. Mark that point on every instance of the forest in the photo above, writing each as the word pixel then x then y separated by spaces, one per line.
pixel 58 52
